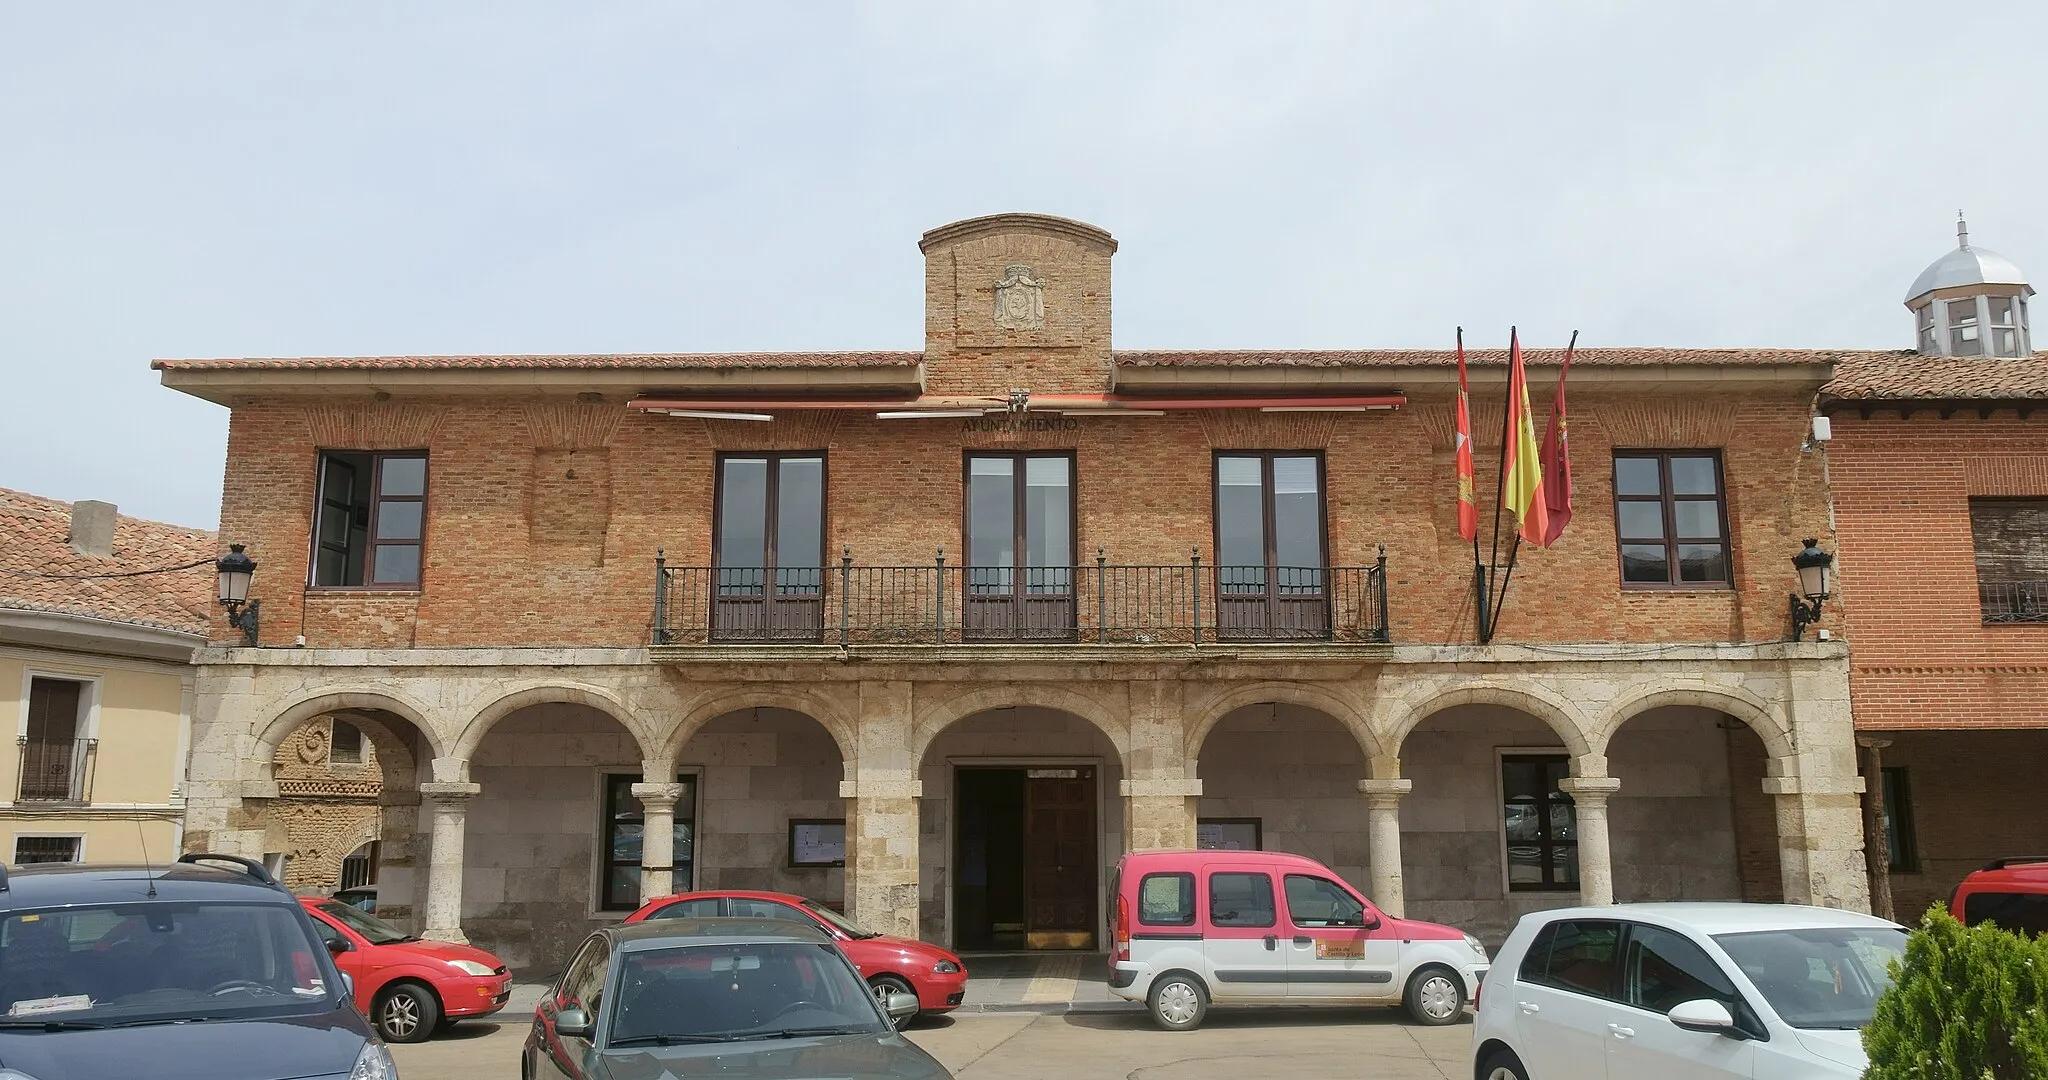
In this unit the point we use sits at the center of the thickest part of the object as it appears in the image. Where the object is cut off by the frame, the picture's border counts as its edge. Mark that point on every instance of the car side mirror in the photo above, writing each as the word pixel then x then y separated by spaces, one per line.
pixel 1704 1015
pixel 1370 921
pixel 338 945
pixel 902 1005
pixel 572 1023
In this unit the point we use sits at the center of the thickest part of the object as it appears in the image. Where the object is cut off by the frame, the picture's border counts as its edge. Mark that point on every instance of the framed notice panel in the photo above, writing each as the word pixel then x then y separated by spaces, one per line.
pixel 1227 834
pixel 817 841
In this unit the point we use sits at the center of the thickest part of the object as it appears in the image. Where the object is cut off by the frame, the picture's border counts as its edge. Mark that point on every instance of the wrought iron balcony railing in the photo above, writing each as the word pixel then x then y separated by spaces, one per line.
pixel 2014 601
pixel 56 770
pixel 943 604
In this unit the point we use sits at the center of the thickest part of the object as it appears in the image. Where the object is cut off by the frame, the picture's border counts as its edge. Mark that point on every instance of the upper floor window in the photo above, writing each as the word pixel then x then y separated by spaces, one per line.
pixel 1671 518
pixel 345 744
pixel 771 522
pixel 1270 551
pixel 371 519
pixel 2011 538
pixel 2005 325
pixel 1930 340
pixel 1963 336
pixel 56 756
pixel 1020 522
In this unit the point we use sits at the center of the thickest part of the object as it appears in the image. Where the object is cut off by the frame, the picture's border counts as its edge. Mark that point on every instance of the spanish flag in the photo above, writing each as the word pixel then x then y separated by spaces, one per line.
pixel 1468 499
pixel 1521 469
pixel 1557 457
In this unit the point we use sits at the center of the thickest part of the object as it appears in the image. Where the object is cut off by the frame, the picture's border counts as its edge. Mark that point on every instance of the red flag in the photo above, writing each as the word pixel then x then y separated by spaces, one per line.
pixel 1468 499
pixel 1521 468
pixel 1557 459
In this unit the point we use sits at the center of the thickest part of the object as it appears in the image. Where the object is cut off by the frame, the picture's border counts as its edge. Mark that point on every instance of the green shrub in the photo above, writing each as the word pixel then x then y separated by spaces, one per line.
pixel 1968 1003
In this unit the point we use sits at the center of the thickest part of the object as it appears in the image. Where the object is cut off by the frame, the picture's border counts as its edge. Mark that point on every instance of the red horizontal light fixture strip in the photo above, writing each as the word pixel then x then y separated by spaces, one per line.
pixel 1093 403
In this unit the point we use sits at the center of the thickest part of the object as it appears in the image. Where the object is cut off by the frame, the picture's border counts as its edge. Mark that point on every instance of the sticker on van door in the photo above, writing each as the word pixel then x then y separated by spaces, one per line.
pixel 1340 949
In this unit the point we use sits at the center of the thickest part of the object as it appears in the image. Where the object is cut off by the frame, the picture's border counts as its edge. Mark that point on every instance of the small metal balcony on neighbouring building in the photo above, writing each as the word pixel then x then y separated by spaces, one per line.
pixel 56 770
pixel 944 604
pixel 2014 601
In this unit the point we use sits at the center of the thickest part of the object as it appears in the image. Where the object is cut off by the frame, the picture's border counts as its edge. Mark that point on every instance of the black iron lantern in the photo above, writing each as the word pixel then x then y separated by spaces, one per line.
pixel 235 569
pixel 1813 565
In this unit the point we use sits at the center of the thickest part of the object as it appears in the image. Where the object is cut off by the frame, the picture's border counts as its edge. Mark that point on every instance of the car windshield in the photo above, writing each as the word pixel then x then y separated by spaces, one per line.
pixel 376 930
pixel 846 925
pixel 1819 978
pixel 121 964
pixel 721 993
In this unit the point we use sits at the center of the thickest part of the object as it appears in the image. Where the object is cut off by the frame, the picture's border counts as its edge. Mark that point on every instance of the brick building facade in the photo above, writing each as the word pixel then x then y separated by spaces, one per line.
pixel 1939 466
pixel 1006 607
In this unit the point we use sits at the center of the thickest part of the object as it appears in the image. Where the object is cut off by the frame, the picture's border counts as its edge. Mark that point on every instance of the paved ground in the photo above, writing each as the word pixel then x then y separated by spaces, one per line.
pixel 1047 1016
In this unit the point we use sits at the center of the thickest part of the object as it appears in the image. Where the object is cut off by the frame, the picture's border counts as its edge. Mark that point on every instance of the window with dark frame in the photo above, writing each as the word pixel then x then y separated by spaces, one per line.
pixel 1166 899
pixel 619 876
pixel 1229 834
pixel 1540 823
pixel 1270 527
pixel 771 523
pixel 1901 853
pixel 345 744
pixel 371 520
pixel 1020 523
pixel 1671 519
pixel 2010 538
pixel 45 849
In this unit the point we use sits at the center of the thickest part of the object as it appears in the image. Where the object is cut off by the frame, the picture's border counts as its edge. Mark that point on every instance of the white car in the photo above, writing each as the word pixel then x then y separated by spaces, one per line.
pixel 1683 992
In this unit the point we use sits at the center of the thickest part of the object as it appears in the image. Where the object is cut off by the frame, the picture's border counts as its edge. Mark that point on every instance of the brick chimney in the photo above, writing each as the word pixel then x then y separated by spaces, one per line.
pixel 92 528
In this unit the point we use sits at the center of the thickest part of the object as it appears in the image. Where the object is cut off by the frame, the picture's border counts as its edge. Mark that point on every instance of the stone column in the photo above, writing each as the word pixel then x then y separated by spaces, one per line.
pixel 881 863
pixel 1877 854
pixel 1820 840
pixel 1589 812
pixel 449 802
pixel 657 837
pixel 1383 841
pixel 1159 814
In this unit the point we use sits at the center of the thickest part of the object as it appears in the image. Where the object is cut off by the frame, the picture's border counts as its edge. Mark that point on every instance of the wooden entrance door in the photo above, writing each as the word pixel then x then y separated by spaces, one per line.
pixel 1059 858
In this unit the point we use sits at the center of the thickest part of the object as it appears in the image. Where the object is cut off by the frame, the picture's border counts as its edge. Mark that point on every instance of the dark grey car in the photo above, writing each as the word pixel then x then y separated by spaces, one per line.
pixel 744 999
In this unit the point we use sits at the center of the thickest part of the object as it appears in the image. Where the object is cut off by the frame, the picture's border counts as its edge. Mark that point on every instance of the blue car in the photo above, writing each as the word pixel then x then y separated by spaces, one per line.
pixel 206 968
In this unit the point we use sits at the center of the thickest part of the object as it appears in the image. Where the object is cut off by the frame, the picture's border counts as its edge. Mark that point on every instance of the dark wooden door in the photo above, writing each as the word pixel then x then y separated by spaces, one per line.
pixel 1059 858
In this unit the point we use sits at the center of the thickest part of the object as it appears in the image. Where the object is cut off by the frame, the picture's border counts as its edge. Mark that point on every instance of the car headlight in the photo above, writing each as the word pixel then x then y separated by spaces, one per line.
pixel 945 967
pixel 1476 945
pixel 374 1063
pixel 471 967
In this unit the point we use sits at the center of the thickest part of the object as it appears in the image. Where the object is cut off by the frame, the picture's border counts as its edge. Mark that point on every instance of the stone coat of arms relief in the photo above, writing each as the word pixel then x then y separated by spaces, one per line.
pixel 1020 299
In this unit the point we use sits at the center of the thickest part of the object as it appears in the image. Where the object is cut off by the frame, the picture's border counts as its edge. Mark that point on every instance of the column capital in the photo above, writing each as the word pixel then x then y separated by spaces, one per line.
pixel 1392 787
pixel 665 795
pixel 1589 789
pixel 448 792
pixel 1872 742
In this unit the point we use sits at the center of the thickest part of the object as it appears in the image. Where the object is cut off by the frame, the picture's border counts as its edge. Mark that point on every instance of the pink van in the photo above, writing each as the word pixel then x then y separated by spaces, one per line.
pixel 1195 928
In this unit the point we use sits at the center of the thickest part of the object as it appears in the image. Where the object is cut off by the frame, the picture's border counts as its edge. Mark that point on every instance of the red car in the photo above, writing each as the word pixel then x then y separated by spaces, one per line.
pixel 408 987
pixel 2012 893
pixel 889 964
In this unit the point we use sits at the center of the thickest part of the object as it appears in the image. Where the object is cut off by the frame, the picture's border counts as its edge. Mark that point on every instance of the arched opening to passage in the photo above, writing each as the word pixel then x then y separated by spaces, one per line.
pixel 1019 826
pixel 344 778
pixel 1691 820
pixel 1282 777
pixel 761 808
pixel 1486 833
pixel 545 857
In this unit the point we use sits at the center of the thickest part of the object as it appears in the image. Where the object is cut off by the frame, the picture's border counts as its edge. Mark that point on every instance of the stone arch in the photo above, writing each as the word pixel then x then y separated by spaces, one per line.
pixel 817 706
pixel 551 693
pixel 928 721
pixel 1560 716
pixel 1304 695
pixel 1733 701
pixel 329 701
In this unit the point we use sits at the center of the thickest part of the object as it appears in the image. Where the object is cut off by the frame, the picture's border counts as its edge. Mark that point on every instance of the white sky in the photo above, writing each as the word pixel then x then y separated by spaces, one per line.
pixel 295 179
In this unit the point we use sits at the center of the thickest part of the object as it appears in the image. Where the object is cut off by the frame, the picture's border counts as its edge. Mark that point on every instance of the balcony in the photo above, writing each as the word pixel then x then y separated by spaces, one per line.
pixel 942 604
pixel 2014 601
pixel 56 770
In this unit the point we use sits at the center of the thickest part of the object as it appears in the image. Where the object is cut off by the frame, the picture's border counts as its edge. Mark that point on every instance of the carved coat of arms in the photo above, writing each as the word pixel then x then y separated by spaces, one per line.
pixel 1020 299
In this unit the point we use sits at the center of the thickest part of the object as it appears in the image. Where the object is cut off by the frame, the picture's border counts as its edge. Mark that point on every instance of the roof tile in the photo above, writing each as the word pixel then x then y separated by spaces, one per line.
pixel 636 362
pixel 35 538
pixel 1910 377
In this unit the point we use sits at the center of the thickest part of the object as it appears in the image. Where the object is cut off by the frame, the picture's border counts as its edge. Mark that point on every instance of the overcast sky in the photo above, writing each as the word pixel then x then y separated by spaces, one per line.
pixel 294 179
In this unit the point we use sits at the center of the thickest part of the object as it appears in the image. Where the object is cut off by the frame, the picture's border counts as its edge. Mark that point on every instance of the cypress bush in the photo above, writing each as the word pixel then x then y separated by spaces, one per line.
pixel 1968 1003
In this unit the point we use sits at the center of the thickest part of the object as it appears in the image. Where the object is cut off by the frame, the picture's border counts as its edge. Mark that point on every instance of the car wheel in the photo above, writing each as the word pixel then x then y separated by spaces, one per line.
pixel 1178 1002
pixel 1503 1065
pixel 405 1013
pixel 1436 996
pixel 883 986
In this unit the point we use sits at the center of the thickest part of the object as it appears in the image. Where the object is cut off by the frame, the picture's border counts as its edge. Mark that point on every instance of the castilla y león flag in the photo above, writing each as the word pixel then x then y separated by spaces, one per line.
pixel 1557 459
pixel 1521 468
pixel 1468 498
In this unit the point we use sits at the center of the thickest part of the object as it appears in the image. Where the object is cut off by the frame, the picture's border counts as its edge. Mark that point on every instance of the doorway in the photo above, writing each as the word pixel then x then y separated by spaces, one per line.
pixel 1024 852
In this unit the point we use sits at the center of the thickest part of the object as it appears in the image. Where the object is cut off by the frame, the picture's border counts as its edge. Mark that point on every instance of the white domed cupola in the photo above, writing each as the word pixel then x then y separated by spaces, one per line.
pixel 1971 302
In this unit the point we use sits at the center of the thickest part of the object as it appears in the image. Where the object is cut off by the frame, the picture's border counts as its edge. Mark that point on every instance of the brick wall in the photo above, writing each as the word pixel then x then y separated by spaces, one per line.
pixel 1922 655
pixel 544 517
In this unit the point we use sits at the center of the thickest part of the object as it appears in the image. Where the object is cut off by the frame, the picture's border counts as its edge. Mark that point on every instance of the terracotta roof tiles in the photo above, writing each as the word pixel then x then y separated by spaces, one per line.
pixel 35 536
pixel 636 362
pixel 1614 357
pixel 1912 377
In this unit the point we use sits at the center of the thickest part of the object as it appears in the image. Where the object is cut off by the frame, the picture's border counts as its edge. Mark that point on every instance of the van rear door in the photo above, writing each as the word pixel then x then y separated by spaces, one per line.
pixel 1241 934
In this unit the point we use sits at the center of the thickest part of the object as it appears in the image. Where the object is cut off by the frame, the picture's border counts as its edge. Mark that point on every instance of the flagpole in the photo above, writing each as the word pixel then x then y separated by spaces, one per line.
pixel 1499 493
pixel 1478 573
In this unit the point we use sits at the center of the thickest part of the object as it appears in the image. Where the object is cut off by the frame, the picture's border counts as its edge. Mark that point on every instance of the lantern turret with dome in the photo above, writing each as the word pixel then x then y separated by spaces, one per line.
pixel 1971 302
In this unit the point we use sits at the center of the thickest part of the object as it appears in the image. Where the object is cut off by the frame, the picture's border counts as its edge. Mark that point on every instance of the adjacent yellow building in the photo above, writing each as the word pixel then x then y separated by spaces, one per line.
pixel 99 617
